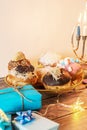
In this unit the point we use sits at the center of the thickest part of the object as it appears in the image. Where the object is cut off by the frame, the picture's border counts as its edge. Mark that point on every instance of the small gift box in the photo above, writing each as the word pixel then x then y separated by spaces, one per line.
pixel 34 122
pixel 5 121
pixel 25 98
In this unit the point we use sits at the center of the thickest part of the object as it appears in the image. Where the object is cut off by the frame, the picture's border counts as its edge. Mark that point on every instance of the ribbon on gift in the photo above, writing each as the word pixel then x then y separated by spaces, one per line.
pixel 17 89
pixel 4 121
pixel 24 117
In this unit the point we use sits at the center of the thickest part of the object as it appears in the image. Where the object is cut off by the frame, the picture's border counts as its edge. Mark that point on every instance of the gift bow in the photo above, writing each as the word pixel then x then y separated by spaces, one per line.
pixel 4 121
pixel 24 117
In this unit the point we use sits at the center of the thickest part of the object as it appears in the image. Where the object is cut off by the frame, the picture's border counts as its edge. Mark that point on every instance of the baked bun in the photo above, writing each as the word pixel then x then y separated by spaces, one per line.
pixel 56 80
pixel 20 71
pixel 73 67
pixel 41 71
pixel 75 70
pixel 19 59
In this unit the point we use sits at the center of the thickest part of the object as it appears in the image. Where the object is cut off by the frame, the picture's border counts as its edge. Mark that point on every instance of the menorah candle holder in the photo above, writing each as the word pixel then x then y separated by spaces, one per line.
pixel 79 36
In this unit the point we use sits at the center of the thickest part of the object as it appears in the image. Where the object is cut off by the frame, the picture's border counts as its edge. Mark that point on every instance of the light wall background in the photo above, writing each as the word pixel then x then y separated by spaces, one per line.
pixel 35 27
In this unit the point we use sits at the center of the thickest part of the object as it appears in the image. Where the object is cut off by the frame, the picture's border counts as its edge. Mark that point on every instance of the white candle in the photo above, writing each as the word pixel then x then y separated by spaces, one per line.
pixel 84 30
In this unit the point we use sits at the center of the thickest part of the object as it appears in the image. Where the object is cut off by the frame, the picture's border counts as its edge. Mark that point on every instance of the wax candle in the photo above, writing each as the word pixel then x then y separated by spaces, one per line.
pixel 78 31
pixel 84 30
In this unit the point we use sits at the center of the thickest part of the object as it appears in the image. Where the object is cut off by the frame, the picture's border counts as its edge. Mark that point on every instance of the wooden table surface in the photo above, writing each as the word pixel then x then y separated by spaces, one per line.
pixel 60 111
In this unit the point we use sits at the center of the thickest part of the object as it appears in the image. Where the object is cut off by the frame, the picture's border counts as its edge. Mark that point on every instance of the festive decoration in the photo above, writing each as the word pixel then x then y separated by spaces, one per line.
pixel 24 117
pixel 24 98
pixel 40 123
pixel 76 107
pixel 79 36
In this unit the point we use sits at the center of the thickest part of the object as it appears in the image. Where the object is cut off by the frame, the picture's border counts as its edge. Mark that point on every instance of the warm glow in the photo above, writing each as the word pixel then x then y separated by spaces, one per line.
pixel 77 106
pixel 77 117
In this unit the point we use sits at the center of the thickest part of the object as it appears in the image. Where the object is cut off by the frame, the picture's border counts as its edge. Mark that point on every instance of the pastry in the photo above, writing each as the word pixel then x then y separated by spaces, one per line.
pixel 20 71
pixel 57 80
pixel 73 67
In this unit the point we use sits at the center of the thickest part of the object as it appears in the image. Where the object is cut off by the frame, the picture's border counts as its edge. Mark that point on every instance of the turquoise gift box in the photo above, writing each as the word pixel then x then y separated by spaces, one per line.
pixel 25 98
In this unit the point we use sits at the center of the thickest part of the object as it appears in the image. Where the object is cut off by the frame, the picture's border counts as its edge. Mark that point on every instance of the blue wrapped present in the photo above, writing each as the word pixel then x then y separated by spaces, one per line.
pixel 25 98
pixel 39 123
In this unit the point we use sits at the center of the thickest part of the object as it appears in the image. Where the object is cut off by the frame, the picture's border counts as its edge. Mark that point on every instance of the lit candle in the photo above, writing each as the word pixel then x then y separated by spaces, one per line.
pixel 84 30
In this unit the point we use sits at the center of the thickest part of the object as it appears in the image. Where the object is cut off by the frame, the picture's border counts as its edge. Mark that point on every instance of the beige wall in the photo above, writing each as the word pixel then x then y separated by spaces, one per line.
pixel 36 26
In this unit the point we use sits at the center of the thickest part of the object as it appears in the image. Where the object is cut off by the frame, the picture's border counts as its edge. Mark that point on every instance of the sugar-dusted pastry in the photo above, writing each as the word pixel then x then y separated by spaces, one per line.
pixel 49 59
pixel 42 71
pixel 20 71
pixel 45 62
pixel 57 79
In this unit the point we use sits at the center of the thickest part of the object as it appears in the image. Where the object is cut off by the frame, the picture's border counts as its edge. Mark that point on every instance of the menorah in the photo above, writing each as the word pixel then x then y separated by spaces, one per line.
pixel 79 36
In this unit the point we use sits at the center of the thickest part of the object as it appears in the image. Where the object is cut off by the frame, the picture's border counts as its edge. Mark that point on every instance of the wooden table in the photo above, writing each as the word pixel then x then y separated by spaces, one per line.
pixel 59 112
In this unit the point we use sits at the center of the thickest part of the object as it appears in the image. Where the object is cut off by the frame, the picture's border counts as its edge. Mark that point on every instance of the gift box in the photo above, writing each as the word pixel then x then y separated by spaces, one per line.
pixel 39 123
pixel 25 98
pixel 6 125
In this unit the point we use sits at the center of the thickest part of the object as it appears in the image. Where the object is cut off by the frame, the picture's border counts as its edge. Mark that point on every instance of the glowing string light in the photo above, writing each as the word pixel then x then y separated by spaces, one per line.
pixel 77 106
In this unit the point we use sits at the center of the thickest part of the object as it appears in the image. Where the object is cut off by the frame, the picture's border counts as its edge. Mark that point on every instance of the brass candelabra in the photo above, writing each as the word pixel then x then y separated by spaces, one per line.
pixel 79 36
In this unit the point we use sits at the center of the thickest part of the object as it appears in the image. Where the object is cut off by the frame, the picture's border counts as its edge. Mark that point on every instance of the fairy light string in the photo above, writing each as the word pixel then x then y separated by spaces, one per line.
pixel 73 108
